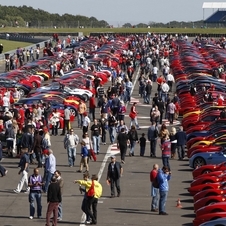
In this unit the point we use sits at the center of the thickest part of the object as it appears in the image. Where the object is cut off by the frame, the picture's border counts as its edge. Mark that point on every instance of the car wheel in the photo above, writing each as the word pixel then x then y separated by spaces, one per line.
pixel 34 85
pixel 22 93
pixel 199 161
pixel 206 171
pixel 85 96
pixel 73 112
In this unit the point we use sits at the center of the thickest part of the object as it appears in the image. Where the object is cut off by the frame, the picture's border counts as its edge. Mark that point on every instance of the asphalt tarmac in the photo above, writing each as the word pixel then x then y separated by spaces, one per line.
pixel 132 208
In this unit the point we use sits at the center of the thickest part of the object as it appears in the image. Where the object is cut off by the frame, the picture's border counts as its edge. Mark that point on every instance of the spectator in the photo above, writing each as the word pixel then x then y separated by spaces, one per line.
pixel 173 141
pixel 133 138
pixel 114 173
pixel 164 175
pixel 35 183
pixel 84 157
pixel 57 175
pixel 152 137
pixel 142 142
pixel 133 116
pixel 181 142
pixel 154 190
pixel 96 133
pixel 53 200
pixel 50 168
pixel 71 141
pixel 166 151
pixel 91 200
pixel 24 167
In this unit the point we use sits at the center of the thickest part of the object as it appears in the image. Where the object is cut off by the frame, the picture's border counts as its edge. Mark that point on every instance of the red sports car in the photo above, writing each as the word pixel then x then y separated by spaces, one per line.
pixel 206 179
pixel 194 190
pixel 209 200
pixel 208 217
pixel 208 168
pixel 209 192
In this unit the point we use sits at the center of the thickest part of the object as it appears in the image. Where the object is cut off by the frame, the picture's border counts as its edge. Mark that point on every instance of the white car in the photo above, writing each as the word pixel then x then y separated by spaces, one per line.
pixel 86 94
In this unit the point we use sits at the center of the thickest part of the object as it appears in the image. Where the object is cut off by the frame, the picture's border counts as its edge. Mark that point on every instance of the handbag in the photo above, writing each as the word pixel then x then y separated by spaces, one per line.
pixel 92 154
pixel 91 191
pixel 132 115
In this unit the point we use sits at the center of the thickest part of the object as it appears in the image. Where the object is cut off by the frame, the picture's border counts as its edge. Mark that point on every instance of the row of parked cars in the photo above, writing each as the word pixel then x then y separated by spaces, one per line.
pixel 199 90
pixel 70 88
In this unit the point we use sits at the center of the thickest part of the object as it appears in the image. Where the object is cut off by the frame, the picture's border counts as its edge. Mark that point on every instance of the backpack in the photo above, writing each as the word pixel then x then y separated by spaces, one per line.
pixel 91 191
pixel 155 182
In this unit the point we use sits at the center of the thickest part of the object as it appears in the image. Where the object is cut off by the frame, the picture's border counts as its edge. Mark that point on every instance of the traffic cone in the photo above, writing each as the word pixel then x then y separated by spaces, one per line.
pixel 178 204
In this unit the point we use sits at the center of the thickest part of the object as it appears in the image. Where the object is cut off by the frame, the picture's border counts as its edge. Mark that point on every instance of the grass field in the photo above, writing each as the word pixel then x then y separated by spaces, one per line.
pixel 87 31
pixel 11 45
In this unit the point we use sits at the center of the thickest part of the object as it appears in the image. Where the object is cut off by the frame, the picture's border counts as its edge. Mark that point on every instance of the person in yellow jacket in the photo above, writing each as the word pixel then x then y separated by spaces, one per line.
pixel 91 199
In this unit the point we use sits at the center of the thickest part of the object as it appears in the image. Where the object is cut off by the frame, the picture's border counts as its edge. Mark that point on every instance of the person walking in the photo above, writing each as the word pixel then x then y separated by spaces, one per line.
pixel 154 189
pixel 171 111
pixel 92 107
pixel 181 138
pixel 111 126
pixel 122 141
pixel 142 142
pixel 173 141
pixel 166 151
pixel 93 193
pixel 153 137
pixel 35 183
pixel 96 133
pixel 24 167
pixel 103 124
pixel 81 110
pixel 53 200
pixel 133 138
pixel 50 168
pixel 37 147
pixel 66 120
pixel 133 116
pixel 148 89
pixel 71 141
pixel 85 123
pixel 163 176
pixel 84 157
pixel 60 180
pixel 114 174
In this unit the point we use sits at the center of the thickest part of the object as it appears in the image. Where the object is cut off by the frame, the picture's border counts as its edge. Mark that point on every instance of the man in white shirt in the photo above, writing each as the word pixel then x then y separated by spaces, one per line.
pixel 155 72
pixel 165 90
pixel 6 101
pixel 170 80
pixel 86 123
pixel 71 141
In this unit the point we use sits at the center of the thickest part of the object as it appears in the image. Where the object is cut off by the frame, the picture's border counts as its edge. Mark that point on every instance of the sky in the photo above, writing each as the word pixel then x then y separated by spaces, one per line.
pixel 118 12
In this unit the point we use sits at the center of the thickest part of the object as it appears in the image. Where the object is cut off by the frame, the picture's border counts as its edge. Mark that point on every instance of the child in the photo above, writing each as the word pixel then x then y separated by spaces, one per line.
pixel 142 142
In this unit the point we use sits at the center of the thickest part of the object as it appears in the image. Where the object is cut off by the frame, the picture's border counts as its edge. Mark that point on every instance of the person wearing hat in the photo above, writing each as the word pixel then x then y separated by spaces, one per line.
pixel 114 173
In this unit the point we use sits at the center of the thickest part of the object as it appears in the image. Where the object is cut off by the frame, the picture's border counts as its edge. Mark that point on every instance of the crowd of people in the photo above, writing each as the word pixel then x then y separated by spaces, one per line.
pixel 29 130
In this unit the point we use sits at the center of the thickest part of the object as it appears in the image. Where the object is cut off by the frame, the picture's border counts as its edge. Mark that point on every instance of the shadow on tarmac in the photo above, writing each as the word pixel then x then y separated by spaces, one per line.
pixel 187 181
pixel 187 224
pixel 185 194
pixel 192 215
pixel 136 211
pixel 187 200
pixel 185 170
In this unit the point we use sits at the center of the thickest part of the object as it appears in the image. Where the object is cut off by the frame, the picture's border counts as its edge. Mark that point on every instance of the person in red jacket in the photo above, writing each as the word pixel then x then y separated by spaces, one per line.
pixel 92 106
pixel 154 190
pixel 166 151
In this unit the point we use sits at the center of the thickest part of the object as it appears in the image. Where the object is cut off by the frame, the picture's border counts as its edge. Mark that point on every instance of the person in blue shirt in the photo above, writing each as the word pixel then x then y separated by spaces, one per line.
pixel 163 177
pixel 85 156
